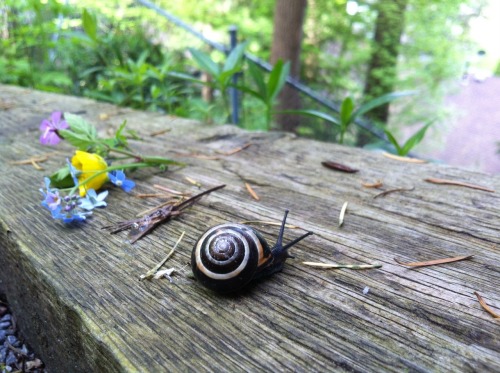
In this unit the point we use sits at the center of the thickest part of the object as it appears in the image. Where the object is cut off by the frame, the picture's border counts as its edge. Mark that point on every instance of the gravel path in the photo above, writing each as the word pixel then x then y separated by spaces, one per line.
pixel 15 356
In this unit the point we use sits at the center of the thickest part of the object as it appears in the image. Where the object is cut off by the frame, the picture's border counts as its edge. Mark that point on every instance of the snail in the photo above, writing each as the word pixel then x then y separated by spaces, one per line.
pixel 228 256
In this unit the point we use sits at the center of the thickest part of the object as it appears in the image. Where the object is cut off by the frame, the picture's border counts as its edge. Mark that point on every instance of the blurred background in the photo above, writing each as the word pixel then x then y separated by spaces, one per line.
pixel 413 77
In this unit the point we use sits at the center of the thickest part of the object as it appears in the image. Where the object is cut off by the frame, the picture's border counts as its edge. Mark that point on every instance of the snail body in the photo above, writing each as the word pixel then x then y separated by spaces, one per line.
pixel 229 256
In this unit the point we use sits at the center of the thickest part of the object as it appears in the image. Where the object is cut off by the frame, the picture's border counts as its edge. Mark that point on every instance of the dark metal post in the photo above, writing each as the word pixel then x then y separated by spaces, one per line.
pixel 233 92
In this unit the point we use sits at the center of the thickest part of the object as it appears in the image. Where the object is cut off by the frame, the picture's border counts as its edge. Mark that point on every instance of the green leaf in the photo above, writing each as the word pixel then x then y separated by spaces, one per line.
pixel 89 22
pixel 205 62
pixel 277 78
pixel 234 58
pixel 119 137
pixel 393 141
pixel 379 101
pixel 80 126
pixel 225 76
pixel 313 114
pixel 79 140
pixel 62 178
pixel 346 110
pixel 415 139
pixel 258 77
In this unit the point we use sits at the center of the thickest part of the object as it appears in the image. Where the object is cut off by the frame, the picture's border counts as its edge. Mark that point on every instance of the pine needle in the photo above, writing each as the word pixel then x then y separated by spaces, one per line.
pixel 152 272
pixel 342 214
pixel 433 262
pixel 336 265
pixel 458 183
pixel 486 307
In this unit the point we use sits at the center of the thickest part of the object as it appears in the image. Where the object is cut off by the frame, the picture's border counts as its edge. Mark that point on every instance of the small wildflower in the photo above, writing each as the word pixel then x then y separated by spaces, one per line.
pixel 93 200
pixel 51 198
pixel 70 214
pixel 118 178
pixel 87 166
pixel 49 128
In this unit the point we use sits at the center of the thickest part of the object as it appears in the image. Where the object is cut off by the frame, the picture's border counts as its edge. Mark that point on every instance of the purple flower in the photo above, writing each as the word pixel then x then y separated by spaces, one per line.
pixel 93 200
pixel 49 128
pixel 51 198
pixel 118 178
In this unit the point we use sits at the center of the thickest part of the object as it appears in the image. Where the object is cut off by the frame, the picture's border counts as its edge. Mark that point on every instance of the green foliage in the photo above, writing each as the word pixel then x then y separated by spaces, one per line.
pixel 349 114
pixel 267 91
pixel 413 141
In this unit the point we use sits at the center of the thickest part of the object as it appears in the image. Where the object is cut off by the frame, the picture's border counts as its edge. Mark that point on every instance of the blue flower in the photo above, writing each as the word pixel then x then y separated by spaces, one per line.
pixel 69 215
pixel 93 200
pixel 73 171
pixel 118 178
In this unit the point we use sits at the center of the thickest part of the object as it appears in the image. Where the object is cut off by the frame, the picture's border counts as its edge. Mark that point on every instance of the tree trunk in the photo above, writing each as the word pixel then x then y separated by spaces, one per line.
pixel 287 38
pixel 381 74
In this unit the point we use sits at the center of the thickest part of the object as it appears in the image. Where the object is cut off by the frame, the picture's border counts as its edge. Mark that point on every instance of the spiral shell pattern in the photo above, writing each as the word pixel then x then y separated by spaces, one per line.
pixel 226 257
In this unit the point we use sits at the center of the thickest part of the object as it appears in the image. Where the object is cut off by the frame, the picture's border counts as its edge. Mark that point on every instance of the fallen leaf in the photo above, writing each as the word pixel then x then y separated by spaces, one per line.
pixel 433 262
pixel 338 167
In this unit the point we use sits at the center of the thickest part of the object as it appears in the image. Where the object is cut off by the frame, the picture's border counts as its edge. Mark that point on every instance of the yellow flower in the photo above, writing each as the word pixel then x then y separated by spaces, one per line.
pixel 89 164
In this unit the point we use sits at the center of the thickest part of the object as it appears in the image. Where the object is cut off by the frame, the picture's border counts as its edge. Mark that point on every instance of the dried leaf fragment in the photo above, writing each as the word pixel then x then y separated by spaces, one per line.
pixel 342 214
pixel 457 183
pixel 338 167
pixel 252 192
pixel 486 307
pixel 403 159
pixel 377 184
pixel 433 262
pixel 336 265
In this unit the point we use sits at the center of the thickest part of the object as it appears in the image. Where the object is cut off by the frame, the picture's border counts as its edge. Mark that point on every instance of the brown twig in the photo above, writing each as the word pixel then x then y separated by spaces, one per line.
pixel 393 191
pixel 433 262
pixel 486 307
pixel 235 150
pixel 161 214
pixel 457 183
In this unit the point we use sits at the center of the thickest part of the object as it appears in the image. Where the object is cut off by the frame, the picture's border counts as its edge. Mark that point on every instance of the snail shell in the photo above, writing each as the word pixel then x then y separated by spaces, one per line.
pixel 228 256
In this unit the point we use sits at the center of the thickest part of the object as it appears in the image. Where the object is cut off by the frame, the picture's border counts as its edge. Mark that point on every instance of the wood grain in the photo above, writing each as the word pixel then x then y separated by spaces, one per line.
pixel 76 293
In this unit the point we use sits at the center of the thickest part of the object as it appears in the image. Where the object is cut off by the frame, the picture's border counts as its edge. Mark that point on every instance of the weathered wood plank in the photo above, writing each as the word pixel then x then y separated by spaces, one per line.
pixel 79 301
